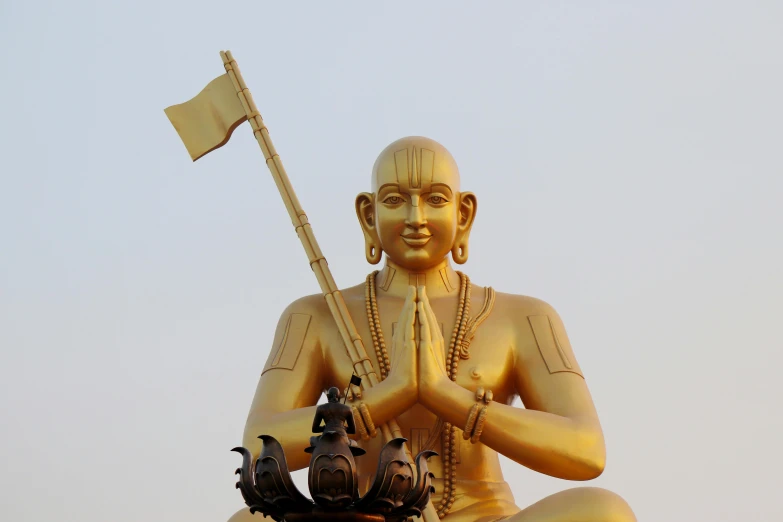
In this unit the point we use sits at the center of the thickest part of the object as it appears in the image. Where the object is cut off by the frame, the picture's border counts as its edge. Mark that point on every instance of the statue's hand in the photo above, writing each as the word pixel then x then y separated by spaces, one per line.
pixel 432 346
pixel 404 371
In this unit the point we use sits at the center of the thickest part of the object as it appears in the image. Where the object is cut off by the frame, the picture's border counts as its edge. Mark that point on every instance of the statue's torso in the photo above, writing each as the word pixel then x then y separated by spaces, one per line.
pixel 520 350
pixel 334 416
pixel 493 354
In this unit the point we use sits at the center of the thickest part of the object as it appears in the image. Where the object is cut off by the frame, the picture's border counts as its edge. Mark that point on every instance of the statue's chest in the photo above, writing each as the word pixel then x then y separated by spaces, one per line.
pixel 485 359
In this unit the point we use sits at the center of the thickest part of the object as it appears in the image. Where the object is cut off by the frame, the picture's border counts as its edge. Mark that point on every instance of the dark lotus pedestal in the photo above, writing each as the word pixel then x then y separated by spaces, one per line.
pixel 267 487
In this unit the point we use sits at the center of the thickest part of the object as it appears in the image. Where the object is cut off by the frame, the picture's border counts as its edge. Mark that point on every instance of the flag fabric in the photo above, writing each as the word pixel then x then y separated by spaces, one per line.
pixel 206 122
pixel 355 380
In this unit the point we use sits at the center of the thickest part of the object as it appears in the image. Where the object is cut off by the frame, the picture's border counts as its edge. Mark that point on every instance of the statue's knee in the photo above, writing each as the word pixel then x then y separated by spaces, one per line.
pixel 609 506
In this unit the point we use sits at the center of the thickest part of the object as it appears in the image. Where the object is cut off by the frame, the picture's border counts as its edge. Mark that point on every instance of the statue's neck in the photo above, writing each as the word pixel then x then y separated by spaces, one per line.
pixel 440 280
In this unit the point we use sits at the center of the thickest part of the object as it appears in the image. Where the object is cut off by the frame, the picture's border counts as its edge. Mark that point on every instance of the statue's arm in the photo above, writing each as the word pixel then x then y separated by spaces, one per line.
pixel 558 433
pixel 317 428
pixel 351 425
pixel 290 385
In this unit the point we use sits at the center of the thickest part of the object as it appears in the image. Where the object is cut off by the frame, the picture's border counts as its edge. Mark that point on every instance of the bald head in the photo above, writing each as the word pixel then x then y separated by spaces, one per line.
pixel 415 163
pixel 416 213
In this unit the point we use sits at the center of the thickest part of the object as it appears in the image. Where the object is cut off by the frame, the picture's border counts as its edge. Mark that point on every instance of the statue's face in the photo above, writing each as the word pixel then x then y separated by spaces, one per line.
pixel 416 204
pixel 417 225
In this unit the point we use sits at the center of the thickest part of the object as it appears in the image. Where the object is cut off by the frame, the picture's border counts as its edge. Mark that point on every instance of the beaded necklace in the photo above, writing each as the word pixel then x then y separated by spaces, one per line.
pixel 458 349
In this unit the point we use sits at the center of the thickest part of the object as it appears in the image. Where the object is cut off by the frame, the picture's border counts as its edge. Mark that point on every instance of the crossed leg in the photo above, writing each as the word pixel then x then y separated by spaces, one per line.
pixel 577 505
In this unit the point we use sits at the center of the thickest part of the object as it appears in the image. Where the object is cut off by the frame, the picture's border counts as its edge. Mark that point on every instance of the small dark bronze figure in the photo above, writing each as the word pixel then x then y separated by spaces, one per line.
pixel 331 477
pixel 267 487
pixel 337 419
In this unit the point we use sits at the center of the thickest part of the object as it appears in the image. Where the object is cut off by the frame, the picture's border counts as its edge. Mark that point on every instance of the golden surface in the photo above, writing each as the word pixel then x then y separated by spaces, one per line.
pixel 208 118
pixel 417 215
pixel 335 302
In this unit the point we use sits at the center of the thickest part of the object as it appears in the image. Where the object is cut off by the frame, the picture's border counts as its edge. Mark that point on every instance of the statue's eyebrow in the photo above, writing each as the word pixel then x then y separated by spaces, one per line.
pixel 385 186
pixel 442 187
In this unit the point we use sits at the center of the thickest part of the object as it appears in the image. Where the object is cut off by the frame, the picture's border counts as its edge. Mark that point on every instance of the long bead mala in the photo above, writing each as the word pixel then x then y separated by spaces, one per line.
pixel 374 320
pixel 457 350
pixel 450 440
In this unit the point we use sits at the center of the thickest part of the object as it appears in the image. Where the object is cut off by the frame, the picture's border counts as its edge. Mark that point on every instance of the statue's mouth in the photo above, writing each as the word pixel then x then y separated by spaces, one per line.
pixel 417 239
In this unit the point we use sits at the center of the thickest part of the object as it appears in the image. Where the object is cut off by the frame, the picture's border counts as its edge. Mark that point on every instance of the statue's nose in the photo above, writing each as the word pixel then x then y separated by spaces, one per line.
pixel 415 218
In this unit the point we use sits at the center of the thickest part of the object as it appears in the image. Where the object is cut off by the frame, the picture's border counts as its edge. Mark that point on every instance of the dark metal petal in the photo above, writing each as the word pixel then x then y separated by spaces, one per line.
pixel 393 480
pixel 246 485
pixel 419 496
pixel 273 480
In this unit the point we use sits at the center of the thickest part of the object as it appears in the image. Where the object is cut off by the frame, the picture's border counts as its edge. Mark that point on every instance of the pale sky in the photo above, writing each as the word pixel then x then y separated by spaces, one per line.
pixel 627 158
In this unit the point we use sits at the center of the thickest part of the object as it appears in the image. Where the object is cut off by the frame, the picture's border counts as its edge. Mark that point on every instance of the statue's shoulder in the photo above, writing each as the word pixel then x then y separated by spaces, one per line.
pixel 312 305
pixel 354 294
pixel 522 305
pixel 541 335
pixel 315 305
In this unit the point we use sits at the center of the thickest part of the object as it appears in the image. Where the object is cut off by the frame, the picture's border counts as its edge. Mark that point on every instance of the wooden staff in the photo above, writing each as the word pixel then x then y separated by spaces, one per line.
pixel 353 342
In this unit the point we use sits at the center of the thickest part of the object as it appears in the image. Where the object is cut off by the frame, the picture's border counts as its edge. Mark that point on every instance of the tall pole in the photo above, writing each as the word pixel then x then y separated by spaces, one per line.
pixel 334 298
pixel 353 342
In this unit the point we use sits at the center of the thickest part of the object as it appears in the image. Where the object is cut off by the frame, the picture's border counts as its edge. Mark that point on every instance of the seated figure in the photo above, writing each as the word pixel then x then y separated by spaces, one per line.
pixel 337 419
pixel 451 357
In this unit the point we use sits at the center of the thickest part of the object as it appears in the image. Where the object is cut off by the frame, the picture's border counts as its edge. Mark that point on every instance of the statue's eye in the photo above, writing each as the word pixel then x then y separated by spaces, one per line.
pixel 393 200
pixel 436 200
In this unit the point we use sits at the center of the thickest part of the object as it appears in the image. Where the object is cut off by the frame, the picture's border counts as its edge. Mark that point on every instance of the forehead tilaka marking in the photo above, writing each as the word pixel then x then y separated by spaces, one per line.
pixel 414 168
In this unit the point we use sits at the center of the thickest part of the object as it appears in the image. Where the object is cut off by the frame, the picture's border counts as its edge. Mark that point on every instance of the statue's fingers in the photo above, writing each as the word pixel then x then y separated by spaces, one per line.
pixel 410 297
pixel 400 334
pixel 410 319
pixel 433 346
pixel 438 343
pixel 426 334
pixel 421 294
pixel 410 349
pixel 437 335
pixel 435 332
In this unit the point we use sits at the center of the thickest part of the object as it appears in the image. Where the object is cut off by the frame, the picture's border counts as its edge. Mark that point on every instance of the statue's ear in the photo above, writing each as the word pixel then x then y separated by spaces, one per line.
pixel 365 211
pixel 466 214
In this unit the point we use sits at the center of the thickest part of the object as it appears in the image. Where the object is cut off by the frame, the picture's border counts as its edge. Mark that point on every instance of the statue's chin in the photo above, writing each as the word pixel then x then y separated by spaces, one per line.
pixel 416 260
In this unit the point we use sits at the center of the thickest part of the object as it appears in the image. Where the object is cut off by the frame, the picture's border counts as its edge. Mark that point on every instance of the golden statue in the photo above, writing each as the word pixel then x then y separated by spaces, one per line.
pixel 451 356
pixel 451 386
